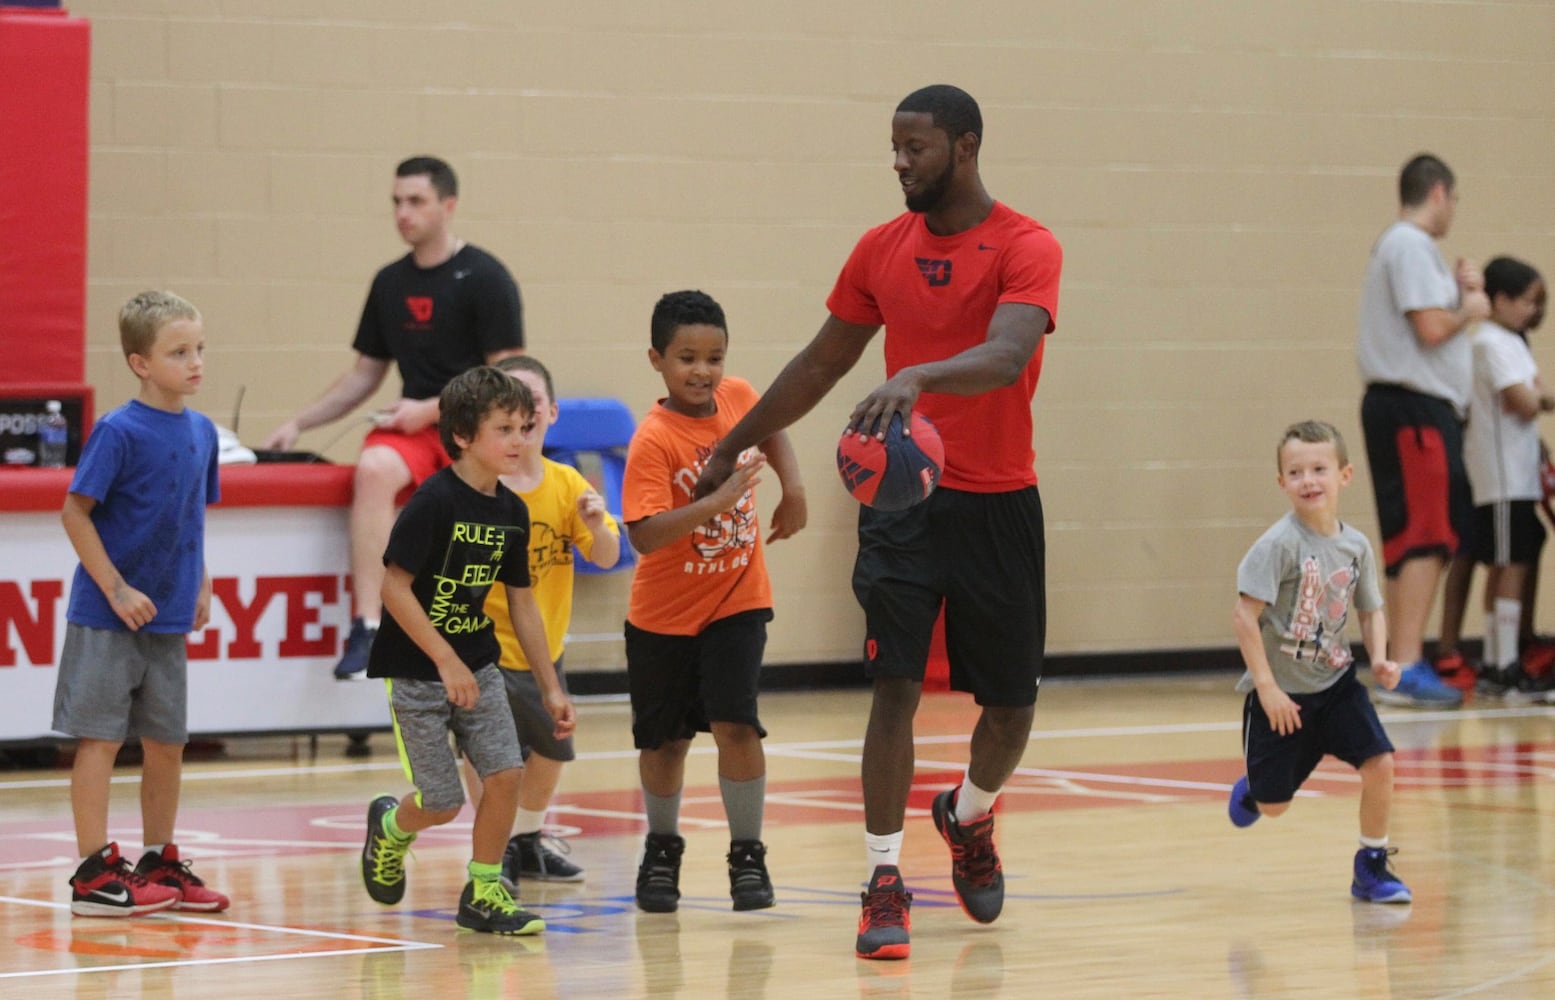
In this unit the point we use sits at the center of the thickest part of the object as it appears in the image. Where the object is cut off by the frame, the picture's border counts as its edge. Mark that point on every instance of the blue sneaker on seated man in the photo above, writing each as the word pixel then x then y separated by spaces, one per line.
pixel 1420 687
pixel 359 643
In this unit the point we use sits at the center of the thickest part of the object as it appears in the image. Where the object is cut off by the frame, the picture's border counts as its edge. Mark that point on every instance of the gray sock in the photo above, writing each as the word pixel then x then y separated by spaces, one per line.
pixel 744 804
pixel 663 812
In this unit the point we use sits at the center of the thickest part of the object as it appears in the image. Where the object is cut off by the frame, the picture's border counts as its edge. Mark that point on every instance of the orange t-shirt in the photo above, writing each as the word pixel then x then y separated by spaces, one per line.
pixel 716 571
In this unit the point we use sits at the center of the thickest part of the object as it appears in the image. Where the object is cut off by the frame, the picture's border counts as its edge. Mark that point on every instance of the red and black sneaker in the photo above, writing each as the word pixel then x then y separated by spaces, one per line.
pixel 975 870
pixel 168 869
pixel 884 926
pixel 105 886
pixel 1455 671
pixel 1538 656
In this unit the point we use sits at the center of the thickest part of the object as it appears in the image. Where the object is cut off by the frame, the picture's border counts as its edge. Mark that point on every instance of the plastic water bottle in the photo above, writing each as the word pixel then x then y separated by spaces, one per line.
pixel 53 436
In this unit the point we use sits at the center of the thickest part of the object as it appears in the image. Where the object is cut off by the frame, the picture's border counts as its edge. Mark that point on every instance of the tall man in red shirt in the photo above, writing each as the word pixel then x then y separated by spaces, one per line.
pixel 966 288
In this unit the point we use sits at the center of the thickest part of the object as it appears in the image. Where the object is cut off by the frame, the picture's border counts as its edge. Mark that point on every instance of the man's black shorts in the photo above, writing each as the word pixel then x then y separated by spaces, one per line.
pixel 981 556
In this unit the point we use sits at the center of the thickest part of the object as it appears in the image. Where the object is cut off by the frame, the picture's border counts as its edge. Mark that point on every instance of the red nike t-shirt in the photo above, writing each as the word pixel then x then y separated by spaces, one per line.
pixel 936 295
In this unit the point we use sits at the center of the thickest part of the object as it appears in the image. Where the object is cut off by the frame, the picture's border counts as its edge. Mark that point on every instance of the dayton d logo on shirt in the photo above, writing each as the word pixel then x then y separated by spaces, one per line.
pixel 420 309
pixel 935 272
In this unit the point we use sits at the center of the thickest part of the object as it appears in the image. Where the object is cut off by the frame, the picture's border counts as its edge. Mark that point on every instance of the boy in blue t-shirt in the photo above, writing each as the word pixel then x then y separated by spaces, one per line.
pixel 135 515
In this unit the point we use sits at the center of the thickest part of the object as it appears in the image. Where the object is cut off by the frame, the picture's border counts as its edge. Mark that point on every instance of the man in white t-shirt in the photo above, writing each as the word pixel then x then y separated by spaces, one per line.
pixel 1417 367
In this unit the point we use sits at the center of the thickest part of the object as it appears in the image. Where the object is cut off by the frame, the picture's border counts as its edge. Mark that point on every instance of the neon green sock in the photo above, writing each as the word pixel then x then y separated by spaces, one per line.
pixel 484 873
pixel 393 829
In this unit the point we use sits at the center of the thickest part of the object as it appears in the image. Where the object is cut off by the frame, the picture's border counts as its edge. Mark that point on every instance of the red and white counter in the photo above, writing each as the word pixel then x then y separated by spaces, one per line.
pixel 278 555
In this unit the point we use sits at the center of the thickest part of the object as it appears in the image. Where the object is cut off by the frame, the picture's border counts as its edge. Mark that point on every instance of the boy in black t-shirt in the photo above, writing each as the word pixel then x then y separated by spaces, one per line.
pixel 462 532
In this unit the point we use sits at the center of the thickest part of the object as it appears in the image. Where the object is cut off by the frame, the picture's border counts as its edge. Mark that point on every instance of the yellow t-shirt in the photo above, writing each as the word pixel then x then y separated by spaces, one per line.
pixel 555 530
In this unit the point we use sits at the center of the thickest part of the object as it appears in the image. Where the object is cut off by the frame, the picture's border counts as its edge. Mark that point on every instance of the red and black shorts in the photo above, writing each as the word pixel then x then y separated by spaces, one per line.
pixel 1414 444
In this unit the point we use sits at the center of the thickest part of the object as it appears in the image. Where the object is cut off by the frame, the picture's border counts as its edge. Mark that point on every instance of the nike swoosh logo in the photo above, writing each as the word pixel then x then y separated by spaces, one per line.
pixel 122 896
pixel 984 246
pixel 461 275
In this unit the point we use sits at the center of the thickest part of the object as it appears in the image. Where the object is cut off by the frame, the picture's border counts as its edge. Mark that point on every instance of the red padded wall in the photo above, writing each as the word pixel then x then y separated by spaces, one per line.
pixel 44 68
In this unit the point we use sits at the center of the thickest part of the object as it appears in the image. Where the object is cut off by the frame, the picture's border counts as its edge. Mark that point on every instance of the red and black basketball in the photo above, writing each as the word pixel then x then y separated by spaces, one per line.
pixel 894 473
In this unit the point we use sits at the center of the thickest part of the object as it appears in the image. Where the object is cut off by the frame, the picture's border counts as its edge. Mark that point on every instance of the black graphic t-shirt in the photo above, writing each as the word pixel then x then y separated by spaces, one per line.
pixel 457 542
pixel 436 322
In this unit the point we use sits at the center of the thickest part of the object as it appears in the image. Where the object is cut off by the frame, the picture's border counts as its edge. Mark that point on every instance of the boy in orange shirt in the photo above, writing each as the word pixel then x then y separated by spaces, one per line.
pixel 697 620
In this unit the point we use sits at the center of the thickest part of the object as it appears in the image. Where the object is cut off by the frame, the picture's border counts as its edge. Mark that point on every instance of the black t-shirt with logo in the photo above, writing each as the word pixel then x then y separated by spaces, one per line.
pixel 436 322
pixel 458 543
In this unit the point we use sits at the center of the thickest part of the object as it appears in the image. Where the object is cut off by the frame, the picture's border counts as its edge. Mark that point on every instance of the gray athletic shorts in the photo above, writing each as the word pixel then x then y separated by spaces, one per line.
pixel 423 718
pixel 115 685
pixel 536 728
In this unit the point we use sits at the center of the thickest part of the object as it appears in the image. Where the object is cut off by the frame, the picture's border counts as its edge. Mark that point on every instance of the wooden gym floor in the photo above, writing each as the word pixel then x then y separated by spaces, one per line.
pixel 1124 876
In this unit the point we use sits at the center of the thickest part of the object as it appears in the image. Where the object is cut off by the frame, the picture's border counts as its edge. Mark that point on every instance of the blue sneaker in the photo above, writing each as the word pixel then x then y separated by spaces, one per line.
pixel 353 662
pixel 1419 687
pixel 1374 880
pixel 1243 810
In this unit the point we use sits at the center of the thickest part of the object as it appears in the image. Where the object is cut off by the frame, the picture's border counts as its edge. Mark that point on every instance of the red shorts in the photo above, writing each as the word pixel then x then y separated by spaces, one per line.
pixel 422 452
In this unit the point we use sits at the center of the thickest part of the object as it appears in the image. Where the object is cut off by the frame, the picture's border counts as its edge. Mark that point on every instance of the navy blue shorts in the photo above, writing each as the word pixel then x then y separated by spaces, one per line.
pixel 980 556
pixel 1338 721
pixel 681 684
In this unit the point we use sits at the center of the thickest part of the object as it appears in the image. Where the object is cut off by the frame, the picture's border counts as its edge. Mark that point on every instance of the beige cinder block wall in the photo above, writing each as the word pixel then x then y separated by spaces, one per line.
pixel 1216 171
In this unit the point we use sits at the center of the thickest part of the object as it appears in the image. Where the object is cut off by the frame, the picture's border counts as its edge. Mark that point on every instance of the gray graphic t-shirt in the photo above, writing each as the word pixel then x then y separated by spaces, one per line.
pixel 1308 582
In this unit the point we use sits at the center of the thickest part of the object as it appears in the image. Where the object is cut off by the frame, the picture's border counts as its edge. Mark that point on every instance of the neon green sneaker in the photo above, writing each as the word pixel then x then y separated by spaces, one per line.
pixel 488 907
pixel 383 857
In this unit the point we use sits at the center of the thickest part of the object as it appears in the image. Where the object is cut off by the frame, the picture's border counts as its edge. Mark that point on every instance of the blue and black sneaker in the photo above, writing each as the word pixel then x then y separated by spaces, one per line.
pixel 1374 880
pixel 1242 808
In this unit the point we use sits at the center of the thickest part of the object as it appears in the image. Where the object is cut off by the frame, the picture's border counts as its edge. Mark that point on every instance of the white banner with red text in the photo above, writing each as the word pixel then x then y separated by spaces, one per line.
pixel 280 608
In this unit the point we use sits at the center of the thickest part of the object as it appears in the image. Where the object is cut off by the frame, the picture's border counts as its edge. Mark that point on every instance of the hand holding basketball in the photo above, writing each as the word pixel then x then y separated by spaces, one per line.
pixel 896 471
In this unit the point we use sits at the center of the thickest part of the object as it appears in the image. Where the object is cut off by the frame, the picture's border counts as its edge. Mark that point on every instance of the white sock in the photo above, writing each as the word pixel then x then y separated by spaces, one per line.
pixel 158 848
pixel 1491 652
pixel 528 821
pixel 1509 616
pixel 881 849
pixel 1374 842
pixel 972 802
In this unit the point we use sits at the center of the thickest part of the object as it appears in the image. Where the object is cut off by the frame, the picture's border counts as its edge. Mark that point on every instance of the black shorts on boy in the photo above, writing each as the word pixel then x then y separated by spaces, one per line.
pixel 982 556
pixel 681 684
pixel 1508 533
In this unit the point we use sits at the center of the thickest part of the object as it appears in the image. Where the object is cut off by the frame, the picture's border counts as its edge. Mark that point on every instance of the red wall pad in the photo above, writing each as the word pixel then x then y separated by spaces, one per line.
pixel 44 67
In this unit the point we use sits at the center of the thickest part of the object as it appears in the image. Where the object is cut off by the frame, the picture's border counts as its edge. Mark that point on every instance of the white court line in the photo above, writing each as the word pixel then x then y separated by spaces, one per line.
pixel 387 944
pixel 805 749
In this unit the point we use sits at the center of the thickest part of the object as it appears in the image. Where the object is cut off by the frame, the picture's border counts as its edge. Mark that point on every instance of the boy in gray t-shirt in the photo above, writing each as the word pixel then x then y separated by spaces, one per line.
pixel 1295 587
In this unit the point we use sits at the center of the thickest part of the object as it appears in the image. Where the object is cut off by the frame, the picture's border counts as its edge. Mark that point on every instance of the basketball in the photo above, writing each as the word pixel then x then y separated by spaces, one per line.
pixel 895 473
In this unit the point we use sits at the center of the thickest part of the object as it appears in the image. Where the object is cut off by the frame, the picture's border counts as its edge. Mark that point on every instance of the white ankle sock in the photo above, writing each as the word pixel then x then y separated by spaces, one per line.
pixel 881 849
pixel 972 802
pixel 528 821
pixel 1509 615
